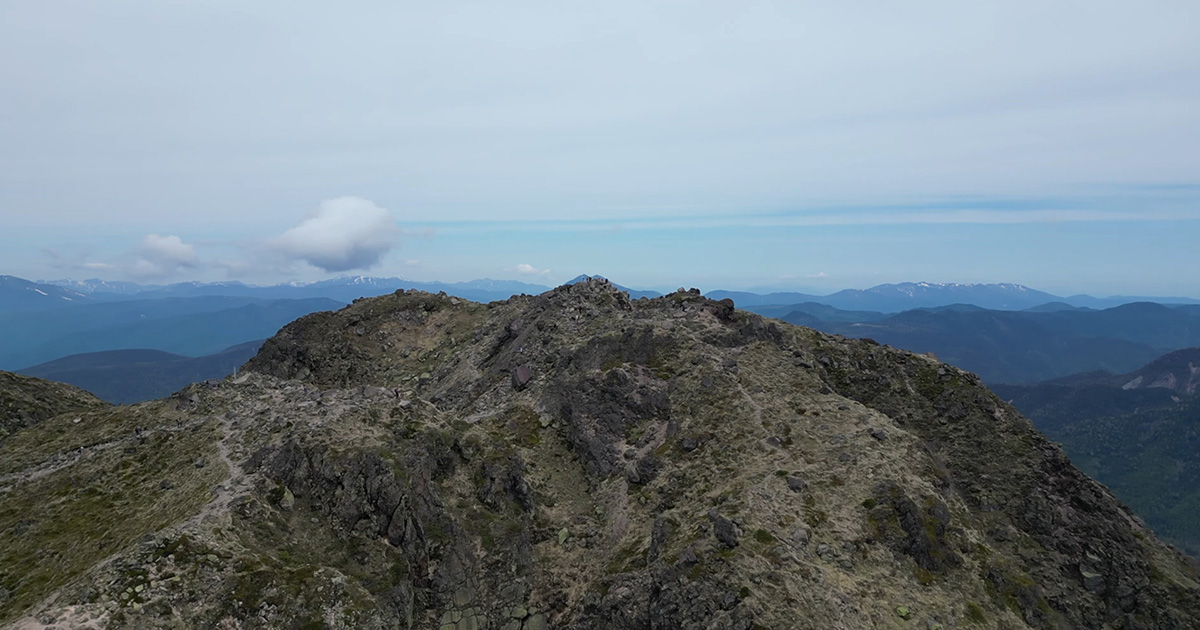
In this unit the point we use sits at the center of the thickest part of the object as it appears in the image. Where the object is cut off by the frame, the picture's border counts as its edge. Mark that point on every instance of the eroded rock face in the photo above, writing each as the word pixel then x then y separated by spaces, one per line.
pixel 581 460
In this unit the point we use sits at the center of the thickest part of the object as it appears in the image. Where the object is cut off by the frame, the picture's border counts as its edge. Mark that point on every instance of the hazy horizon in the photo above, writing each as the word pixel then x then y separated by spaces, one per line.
pixel 550 284
pixel 763 146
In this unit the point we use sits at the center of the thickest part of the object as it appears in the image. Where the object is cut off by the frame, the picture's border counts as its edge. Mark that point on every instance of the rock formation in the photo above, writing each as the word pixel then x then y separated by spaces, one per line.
pixel 570 460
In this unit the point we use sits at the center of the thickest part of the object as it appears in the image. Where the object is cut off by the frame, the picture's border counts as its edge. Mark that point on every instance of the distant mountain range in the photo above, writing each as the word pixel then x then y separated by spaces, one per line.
pixel 19 294
pixel 895 298
pixel 1004 332
pixel 188 326
pixel 130 376
pixel 344 289
pixel 1017 346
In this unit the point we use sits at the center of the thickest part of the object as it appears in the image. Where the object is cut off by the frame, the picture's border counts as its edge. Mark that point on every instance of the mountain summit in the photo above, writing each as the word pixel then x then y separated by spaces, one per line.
pixel 574 459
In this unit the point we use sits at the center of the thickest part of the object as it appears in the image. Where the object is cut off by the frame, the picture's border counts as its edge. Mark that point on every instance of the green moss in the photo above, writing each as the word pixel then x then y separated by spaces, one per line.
pixel 524 424
pixel 1011 587
pixel 975 613
pixel 611 363
pixel 629 557
pixel 763 536
pixel 923 576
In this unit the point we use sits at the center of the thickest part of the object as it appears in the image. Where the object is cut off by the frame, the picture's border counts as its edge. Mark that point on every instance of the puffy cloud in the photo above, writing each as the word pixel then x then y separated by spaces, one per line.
pixel 342 234
pixel 156 257
pixel 168 252
pixel 153 257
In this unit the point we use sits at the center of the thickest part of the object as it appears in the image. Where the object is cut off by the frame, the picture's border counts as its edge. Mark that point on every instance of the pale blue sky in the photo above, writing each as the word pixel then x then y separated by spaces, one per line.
pixel 784 145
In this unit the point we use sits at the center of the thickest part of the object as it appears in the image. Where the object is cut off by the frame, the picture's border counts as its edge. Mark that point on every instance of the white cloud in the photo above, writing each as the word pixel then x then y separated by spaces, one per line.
pixel 169 252
pixel 526 269
pixel 156 257
pixel 342 234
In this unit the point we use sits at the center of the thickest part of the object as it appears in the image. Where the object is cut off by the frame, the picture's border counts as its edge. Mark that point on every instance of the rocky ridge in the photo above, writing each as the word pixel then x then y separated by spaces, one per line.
pixel 571 460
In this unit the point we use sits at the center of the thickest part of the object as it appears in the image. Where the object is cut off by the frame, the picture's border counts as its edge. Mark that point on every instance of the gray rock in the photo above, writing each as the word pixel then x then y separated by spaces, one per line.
pixel 521 376
pixel 724 530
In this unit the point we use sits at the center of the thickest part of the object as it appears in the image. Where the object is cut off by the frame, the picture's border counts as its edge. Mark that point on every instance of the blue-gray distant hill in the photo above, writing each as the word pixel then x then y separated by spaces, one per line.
pixel 1018 346
pixel 892 298
pixel 186 326
pixel 816 311
pixel 130 376
pixel 895 298
pixel 1137 432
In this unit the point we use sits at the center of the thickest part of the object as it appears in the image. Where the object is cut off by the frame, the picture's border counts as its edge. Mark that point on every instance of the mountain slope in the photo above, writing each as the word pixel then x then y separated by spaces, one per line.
pixel 128 376
pixel 1177 372
pixel 17 294
pixel 1139 322
pixel 574 460
pixel 26 401
pixel 1138 433
pixel 1142 444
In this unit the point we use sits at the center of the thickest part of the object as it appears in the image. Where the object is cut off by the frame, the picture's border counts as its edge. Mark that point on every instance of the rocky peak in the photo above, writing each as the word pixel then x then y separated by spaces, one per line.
pixel 577 459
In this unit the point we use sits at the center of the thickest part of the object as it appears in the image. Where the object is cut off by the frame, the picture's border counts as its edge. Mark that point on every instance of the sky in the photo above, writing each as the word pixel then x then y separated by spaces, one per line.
pixel 751 145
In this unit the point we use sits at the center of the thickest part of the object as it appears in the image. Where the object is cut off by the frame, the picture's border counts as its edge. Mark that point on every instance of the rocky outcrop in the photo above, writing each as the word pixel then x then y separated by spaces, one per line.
pixel 582 460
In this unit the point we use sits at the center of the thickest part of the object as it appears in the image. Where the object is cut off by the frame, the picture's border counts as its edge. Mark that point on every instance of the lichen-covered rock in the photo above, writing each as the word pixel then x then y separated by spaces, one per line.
pixel 573 460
